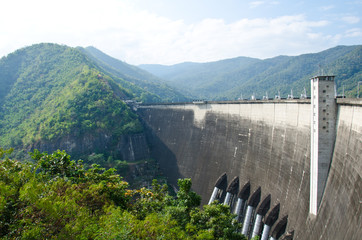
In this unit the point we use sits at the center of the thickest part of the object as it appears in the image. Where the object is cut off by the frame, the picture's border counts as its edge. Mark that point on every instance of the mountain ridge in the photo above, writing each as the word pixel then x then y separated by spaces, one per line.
pixel 215 80
pixel 132 74
pixel 53 94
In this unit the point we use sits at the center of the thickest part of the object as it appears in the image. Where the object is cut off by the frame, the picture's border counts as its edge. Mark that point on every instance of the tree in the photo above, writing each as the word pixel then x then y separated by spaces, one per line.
pixel 214 222
pixel 56 197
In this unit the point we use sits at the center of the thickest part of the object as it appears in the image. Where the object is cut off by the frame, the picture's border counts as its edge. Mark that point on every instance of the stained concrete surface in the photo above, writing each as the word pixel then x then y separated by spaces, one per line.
pixel 268 144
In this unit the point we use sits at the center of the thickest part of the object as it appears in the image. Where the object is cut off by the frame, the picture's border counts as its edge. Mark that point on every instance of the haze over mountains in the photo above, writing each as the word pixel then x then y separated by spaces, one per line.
pixel 231 78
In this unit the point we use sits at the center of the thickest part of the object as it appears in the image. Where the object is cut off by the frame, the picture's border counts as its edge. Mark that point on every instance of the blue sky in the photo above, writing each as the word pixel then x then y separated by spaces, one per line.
pixel 174 31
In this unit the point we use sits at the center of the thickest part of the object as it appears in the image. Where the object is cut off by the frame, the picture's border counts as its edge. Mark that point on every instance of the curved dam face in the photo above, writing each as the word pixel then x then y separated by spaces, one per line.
pixel 265 143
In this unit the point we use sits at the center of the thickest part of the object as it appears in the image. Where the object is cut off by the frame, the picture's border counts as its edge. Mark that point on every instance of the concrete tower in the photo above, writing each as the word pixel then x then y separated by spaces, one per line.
pixel 323 124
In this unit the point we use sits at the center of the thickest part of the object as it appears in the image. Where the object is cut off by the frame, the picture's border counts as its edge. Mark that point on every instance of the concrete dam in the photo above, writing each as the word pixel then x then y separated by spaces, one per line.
pixel 290 169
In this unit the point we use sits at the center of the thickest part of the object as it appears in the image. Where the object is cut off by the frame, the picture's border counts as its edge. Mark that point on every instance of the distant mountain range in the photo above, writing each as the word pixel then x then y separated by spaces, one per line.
pixel 54 96
pixel 242 77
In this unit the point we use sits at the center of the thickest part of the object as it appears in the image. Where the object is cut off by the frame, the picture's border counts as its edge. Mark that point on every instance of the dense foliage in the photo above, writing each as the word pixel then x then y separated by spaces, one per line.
pixel 228 79
pixel 56 197
pixel 51 91
pixel 134 78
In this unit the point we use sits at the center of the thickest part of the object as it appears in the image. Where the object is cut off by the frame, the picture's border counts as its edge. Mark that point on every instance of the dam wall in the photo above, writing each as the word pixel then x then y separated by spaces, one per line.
pixel 265 143
pixel 340 213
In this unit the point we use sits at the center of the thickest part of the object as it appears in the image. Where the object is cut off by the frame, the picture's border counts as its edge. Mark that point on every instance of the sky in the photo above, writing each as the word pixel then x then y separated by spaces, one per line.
pixel 174 31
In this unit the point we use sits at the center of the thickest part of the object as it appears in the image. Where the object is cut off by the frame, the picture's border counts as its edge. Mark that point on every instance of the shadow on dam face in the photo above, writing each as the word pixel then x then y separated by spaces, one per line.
pixel 165 157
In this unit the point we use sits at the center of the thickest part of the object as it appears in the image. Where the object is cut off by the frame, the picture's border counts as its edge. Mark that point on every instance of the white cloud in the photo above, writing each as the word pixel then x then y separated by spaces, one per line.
pixel 326 8
pixel 136 37
pixel 351 19
pixel 355 32
pixel 256 4
pixel 213 39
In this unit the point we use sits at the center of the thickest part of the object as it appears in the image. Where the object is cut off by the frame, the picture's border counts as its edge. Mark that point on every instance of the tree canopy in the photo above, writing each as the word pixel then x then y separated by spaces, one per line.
pixel 56 197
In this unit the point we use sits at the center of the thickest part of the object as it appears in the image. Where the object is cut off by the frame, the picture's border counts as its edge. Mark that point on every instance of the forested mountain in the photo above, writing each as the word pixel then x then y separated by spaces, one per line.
pixel 134 75
pixel 228 79
pixel 50 92
pixel 54 96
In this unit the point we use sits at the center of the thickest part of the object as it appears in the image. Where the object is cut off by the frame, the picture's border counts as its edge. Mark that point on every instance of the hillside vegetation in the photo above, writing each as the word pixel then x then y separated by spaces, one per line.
pixel 54 197
pixel 231 78
pixel 133 77
pixel 50 92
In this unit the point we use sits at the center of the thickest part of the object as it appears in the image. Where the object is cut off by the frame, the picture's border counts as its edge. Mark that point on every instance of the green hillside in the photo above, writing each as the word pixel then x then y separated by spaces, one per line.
pixel 228 79
pixel 49 92
pixel 133 77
